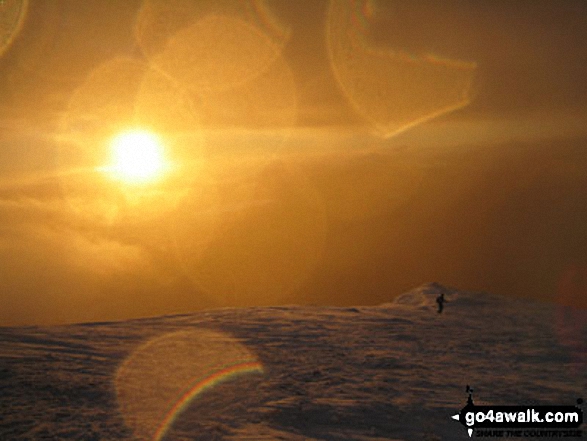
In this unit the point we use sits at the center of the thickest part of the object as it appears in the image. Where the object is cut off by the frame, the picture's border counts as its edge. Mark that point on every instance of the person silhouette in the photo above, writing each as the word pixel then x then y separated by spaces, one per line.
pixel 440 300
pixel 469 391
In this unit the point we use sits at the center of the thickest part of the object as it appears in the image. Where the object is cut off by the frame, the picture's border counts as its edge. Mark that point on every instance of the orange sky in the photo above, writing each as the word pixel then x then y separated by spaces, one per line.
pixel 320 153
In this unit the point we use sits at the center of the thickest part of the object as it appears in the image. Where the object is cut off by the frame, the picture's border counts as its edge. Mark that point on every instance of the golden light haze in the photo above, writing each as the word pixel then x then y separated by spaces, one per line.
pixel 163 156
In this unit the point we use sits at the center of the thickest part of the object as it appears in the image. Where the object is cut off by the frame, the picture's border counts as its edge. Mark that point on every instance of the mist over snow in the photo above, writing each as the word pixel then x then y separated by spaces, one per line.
pixel 396 371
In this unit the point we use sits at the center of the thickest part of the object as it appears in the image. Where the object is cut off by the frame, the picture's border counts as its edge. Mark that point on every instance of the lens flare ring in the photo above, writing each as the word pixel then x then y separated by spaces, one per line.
pixel 226 374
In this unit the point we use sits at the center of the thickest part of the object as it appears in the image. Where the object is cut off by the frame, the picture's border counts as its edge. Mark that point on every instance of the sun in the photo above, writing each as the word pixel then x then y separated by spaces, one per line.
pixel 137 157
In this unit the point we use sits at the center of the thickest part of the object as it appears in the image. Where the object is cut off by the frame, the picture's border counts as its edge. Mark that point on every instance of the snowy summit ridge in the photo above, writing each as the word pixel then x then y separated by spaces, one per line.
pixel 424 297
pixel 397 371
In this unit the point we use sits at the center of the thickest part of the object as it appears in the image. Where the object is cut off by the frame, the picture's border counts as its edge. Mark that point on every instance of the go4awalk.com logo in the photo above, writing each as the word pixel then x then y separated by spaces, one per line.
pixel 521 421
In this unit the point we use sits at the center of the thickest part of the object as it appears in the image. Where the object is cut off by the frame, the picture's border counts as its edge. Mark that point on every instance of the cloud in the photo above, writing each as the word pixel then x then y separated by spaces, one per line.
pixel 490 131
pixel 55 266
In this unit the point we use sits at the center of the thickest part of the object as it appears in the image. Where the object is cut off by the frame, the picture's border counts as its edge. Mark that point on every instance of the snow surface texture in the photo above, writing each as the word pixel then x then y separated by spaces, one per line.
pixel 397 371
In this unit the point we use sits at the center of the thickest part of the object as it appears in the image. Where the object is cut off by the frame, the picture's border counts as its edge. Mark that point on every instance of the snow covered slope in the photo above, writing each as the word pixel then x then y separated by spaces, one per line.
pixel 397 371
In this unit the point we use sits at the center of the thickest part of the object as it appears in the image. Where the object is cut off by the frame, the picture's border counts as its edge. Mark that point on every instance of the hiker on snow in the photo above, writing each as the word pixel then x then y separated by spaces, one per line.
pixel 440 300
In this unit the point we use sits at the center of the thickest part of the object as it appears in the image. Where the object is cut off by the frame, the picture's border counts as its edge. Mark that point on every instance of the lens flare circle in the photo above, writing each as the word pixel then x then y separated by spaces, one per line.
pixel 162 378
pixel 137 157
pixel 12 16
pixel 391 88
pixel 226 374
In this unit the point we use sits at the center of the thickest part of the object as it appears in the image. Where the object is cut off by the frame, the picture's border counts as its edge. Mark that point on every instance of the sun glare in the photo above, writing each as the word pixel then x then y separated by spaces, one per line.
pixel 137 157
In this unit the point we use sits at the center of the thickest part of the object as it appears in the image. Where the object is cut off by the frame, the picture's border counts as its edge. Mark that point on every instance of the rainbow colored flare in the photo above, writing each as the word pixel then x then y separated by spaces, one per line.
pixel 225 374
